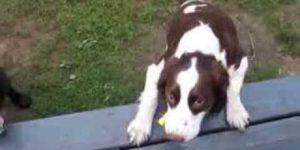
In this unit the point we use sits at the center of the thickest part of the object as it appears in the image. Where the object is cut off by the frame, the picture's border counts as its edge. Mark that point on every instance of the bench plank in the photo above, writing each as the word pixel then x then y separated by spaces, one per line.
pixel 277 135
pixel 106 128
pixel 79 131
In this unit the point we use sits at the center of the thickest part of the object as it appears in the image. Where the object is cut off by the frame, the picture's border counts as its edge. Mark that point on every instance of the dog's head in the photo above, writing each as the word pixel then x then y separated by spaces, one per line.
pixel 192 86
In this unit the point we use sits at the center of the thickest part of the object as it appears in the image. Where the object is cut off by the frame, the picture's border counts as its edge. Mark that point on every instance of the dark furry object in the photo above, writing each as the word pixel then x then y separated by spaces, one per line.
pixel 6 90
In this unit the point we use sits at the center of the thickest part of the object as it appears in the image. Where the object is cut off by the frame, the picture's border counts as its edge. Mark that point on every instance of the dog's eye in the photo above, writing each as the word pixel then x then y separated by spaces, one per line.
pixel 173 96
pixel 198 103
pixel 171 99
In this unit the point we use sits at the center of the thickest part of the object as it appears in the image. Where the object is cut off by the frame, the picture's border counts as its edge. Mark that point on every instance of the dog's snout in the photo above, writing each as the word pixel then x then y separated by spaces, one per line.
pixel 175 137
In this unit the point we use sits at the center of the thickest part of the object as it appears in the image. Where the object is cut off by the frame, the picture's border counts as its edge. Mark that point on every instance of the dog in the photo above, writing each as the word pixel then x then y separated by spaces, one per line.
pixel 20 100
pixel 201 71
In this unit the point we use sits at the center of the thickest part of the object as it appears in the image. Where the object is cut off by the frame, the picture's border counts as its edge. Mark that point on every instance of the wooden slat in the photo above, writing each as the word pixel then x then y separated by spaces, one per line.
pixel 106 128
pixel 80 131
pixel 278 135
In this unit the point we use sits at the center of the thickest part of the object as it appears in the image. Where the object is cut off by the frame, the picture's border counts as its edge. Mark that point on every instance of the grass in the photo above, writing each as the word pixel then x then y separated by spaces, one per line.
pixel 94 42
pixel 260 73
pixel 90 39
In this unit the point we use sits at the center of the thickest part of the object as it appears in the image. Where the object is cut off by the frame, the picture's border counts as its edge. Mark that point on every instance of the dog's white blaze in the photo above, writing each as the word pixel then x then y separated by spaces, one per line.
pixel 180 120
pixel 187 80
pixel 193 8
pixel 202 39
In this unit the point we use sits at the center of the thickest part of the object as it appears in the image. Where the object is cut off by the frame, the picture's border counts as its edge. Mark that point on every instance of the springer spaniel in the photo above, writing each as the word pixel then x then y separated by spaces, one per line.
pixel 201 70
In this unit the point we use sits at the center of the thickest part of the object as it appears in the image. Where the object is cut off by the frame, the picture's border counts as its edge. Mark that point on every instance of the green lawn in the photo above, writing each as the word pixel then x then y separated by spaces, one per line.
pixel 94 43
pixel 93 40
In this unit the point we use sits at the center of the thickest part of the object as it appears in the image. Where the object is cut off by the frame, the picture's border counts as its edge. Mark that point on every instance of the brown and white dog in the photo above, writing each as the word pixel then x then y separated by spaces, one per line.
pixel 201 71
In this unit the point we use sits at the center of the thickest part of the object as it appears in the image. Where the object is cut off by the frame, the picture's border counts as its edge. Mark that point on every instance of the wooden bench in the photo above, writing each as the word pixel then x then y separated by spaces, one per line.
pixel 274 106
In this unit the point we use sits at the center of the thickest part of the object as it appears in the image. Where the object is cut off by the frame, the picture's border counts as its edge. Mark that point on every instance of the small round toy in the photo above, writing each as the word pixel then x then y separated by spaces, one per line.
pixel 162 120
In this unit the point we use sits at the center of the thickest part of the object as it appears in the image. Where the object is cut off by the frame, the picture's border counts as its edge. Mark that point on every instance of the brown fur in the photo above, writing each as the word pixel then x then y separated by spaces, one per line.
pixel 221 24
pixel 210 91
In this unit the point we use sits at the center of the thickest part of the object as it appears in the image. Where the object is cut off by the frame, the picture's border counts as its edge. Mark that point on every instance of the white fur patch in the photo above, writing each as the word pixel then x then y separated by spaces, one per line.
pixel 190 1
pixel 187 127
pixel 187 79
pixel 139 129
pixel 237 115
pixel 237 75
pixel 193 8
pixel 222 58
pixel 1 121
pixel 200 39
pixel 180 120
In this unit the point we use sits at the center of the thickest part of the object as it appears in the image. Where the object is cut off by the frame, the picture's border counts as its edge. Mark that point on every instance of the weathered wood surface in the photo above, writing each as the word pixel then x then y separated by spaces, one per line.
pixel 276 135
pixel 106 128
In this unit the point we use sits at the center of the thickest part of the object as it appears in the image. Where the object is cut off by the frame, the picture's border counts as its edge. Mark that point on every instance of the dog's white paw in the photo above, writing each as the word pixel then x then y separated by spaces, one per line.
pixel 2 125
pixel 237 116
pixel 139 131
pixel 1 121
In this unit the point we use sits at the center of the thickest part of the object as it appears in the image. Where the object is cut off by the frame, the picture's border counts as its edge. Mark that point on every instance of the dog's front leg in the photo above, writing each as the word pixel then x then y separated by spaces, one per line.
pixel 236 114
pixel 2 120
pixel 139 129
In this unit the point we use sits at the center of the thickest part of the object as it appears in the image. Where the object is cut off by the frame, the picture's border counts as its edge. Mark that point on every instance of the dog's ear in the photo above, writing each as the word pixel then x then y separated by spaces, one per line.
pixel 221 82
pixel 162 83
pixel 168 73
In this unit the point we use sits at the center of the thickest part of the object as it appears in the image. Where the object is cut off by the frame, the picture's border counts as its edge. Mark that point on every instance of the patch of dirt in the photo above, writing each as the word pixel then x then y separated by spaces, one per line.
pixel 291 65
pixel 151 47
pixel 255 38
pixel 17 39
pixel 261 44
pixel 292 12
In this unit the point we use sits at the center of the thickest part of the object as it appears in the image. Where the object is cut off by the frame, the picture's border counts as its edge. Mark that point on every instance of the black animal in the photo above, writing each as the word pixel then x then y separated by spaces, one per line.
pixel 6 90
pixel 19 99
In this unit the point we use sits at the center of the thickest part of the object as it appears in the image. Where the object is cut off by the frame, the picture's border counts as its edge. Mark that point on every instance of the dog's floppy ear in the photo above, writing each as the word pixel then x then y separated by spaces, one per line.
pixel 221 82
pixel 162 83
pixel 167 74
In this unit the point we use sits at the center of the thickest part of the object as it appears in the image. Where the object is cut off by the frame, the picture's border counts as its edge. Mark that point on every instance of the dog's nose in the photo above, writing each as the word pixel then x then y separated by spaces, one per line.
pixel 175 137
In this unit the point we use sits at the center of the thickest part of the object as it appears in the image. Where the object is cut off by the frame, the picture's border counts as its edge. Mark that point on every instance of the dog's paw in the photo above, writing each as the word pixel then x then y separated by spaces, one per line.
pixel 138 131
pixel 2 126
pixel 237 116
